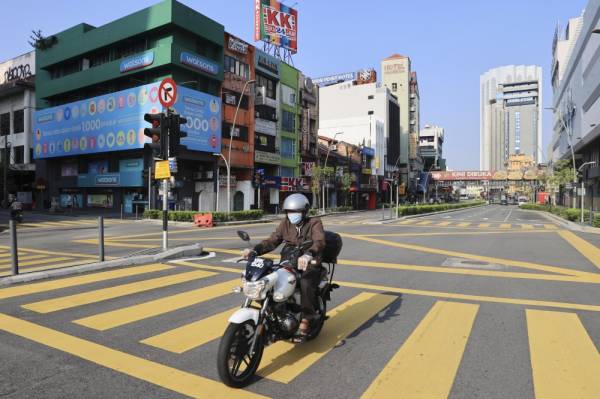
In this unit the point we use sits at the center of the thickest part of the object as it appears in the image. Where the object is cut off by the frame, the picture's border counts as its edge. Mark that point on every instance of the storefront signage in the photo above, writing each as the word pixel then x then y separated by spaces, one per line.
pixel 368 151
pixel 237 45
pixel 137 61
pixel 331 79
pixel 107 180
pixel 292 184
pixel 306 168
pixel 115 122
pixel 265 61
pixel 199 63
pixel 271 182
pixel 18 68
pixel 120 179
pixel 267 157
pixel 265 126
pixel 223 181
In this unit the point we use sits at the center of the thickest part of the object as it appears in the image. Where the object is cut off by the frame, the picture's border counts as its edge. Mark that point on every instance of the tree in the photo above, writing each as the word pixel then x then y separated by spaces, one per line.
pixel 346 184
pixel 319 176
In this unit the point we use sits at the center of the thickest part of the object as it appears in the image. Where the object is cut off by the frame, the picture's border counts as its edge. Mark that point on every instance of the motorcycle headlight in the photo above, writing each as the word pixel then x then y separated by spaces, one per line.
pixel 254 289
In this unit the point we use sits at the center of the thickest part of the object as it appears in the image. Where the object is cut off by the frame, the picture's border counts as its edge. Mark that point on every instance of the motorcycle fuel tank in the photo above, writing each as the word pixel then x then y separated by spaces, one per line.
pixel 284 285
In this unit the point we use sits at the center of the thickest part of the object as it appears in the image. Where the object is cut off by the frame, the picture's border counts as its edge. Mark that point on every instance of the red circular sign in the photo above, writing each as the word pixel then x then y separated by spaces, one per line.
pixel 167 92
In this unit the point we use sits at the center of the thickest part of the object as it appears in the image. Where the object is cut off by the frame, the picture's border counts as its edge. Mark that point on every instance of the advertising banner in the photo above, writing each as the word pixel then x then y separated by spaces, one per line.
pixel 115 122
pixel 276 23
pixel 462 175
pixel 331 79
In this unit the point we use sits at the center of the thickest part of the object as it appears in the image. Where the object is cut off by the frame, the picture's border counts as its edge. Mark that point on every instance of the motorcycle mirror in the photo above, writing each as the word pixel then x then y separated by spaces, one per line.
pixel 243 235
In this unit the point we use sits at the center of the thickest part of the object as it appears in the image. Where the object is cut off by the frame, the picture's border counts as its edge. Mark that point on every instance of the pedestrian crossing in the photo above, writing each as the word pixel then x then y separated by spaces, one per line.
pixel 64 224
pixel 477 225
pixel 32 260
pixel 563 356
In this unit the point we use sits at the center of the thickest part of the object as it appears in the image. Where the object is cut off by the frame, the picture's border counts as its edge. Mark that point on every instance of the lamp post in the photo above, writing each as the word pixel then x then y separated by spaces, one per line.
pixel 582 184
pixel 325 165
pixel 218 154
pixel 228 162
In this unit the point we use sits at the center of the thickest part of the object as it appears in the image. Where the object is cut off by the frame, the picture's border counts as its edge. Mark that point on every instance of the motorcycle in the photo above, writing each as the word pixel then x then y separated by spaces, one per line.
pixel 271 310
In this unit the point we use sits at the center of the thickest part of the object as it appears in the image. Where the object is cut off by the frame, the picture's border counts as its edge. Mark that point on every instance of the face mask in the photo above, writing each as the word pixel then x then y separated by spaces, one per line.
pixel 294 217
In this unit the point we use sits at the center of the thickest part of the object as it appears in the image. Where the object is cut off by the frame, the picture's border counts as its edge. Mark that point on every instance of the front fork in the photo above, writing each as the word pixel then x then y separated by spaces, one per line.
pixel 260 325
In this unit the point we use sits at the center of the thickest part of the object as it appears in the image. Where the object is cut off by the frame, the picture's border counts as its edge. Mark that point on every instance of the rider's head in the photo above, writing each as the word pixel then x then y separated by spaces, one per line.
pixel 296 208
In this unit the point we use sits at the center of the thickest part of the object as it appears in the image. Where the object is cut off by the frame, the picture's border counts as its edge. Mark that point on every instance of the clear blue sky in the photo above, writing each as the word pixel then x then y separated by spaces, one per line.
pixel 451 43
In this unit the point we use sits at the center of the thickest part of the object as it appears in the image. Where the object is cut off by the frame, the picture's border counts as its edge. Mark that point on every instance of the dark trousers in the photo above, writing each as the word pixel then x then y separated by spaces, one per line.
pixel 308 288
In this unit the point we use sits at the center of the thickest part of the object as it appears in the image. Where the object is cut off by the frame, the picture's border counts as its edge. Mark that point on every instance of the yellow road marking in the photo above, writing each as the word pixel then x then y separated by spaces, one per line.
pixel 8 254
pixel 35 262
pixel 565 361
pixel 467 297
pixel 446 295
pixel 587 278
pixel 209 267
pixel 103 294
pixel 404 222
pixel 442 224
pixel 40 251
pixel 527 226
pixel 426 364
pixel 119 317
pixel 456 254
pixel 550 227
pixel 484 225
pixel 6 262
pixel 284 361
pixel 158 374
pixel 463 224
pixel 190 336
pixel 591 252
pixel 505 226
pixel 424 223
pixel 51 285
pixel 455 233
pixel 31 269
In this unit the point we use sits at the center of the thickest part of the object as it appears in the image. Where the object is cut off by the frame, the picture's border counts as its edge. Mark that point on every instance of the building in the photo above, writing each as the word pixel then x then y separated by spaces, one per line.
pixel 366 115
pixel 93 86
pixel 431 142
pixel 17 103
pixel 238 70
pixel 576 105
pixel 414 128
pixel 267 140
pixel 309 130
pixel 510 114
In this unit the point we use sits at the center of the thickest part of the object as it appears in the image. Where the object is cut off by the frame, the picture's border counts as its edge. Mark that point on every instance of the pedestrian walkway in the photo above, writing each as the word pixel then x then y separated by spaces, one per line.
pixel 69 223
pixel 32 260
pixel 425 364
pixel 418 222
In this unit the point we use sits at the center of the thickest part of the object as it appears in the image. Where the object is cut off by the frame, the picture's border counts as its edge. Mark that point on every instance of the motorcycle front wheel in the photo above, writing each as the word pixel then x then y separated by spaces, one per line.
pixel 317 323
pixel 235 365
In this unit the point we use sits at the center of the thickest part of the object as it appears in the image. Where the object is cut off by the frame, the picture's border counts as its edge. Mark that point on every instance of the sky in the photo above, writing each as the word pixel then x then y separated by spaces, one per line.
pixel 450 43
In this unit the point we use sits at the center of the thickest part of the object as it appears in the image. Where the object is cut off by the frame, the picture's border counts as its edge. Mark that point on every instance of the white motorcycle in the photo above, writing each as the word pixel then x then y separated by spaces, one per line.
pixel 271 310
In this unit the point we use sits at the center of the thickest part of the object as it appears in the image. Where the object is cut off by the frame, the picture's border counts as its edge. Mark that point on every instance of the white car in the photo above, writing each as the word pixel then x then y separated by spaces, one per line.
pixel 523 200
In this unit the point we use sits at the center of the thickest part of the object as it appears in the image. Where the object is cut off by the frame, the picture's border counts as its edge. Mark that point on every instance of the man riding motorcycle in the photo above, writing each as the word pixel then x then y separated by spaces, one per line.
pixel 296 228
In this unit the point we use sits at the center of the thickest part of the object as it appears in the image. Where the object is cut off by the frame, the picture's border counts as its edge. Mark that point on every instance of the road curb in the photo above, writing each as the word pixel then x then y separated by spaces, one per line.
pixel 566 223
pixel 179 252
pixel 432 213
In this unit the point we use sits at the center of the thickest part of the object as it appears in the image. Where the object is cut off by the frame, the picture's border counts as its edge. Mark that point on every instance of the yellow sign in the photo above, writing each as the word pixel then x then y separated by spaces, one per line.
pixel 367 171
pixel 402 189
pixel 162 170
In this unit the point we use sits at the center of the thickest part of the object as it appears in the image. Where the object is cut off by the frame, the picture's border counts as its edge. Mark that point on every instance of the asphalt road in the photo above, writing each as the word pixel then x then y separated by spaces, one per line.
pixel 490 302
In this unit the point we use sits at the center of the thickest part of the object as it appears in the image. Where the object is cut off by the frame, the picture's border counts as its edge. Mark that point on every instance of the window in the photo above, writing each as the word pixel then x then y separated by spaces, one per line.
pixel 130 47
pixel 5 124
pixel 517 132
pixel 99 58
pixel 64 69
pixel 19 155
pixel 288 95
pixel 288 148
pixel 18 121
pixel 263 142
pixel 372 96
pixel 394 86
pixel 241 132
pixel 268 83
pixel 236 67
pixel 287 172
pixel 288 121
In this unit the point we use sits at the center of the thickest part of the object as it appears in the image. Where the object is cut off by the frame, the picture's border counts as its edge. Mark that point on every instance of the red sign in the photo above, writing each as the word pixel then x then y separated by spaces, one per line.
pixel 167 92
pixel 463 175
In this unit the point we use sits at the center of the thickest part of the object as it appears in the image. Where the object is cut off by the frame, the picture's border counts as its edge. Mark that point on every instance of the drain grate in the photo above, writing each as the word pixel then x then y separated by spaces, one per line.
pixel 472 264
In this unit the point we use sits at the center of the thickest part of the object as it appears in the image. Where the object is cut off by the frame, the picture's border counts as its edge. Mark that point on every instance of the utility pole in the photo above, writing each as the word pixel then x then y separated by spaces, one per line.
pixel 581 192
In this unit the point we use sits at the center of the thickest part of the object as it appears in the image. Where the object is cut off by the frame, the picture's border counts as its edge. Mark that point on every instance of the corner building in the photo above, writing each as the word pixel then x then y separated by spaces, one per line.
pixel 93 86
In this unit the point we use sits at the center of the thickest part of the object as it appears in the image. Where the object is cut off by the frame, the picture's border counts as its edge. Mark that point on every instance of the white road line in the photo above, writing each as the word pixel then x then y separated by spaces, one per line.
pixel 507 216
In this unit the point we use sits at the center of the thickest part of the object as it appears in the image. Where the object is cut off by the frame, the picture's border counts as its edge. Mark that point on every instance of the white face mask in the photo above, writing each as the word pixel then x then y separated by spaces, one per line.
pixel 294 217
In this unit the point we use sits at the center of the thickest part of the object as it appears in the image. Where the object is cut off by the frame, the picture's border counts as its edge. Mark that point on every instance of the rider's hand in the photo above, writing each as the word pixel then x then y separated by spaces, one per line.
pixel 304 261
pixel 247 252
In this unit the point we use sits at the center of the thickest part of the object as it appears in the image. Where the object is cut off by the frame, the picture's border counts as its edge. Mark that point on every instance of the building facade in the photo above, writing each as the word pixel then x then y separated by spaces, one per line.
pixel 431 142
pixel 510 114
pixel 93 86
pixel 576 102
pixel 17 103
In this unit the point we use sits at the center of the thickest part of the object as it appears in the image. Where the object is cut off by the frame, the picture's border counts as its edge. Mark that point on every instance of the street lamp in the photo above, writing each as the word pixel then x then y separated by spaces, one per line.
pixel 218 154
pixel 325 165
pixel 228 162
pixel 582 184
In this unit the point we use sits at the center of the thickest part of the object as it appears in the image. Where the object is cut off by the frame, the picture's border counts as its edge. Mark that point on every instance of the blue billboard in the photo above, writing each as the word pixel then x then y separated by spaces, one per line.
pixel 115 122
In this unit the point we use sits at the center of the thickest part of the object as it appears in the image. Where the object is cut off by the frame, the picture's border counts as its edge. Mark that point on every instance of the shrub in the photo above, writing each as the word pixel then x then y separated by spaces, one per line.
pixel 405 210
pixel 571 214
pixel 188 216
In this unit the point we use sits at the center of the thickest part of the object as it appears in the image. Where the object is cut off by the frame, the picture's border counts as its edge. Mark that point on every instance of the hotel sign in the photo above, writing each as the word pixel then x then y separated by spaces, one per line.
pixel 237 45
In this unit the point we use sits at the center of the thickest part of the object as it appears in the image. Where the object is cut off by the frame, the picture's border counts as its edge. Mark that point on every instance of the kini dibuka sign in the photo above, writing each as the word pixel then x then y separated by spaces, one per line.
pixel 276 23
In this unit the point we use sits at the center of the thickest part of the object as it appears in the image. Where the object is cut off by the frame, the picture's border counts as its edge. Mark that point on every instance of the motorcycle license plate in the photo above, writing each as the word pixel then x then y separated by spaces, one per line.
pixel 258 263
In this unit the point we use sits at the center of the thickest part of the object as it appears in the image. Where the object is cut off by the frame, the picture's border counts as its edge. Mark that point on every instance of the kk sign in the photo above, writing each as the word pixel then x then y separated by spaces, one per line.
pixel 115 122
pixel 276 23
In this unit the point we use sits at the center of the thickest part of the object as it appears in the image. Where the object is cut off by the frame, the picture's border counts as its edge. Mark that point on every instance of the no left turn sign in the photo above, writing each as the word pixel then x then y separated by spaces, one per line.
pixel 167 92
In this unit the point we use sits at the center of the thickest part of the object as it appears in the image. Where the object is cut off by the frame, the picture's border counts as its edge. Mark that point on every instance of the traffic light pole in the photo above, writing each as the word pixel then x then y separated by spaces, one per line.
pixel 165 214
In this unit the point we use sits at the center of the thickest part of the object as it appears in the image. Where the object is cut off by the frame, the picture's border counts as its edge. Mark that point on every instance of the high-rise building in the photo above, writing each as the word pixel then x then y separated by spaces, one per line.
pixel 562 48
pixel 431 141
pixel 510 114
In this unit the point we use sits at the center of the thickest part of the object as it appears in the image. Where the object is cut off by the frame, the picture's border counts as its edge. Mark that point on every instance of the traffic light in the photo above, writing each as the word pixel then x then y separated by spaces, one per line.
pixel 176 134
pixel 158 135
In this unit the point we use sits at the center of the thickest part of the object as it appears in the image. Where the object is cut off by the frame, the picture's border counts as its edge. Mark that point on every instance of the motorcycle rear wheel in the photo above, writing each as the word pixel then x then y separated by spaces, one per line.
pixel 235 365
pixel 317 323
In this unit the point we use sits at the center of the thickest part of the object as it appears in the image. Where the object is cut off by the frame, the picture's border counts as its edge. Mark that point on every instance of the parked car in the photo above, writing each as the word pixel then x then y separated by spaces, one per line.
pixel 523 200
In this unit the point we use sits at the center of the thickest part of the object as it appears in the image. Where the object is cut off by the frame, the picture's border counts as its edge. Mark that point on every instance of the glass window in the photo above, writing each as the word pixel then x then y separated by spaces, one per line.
pixel 18 121
pixel 288 148
pixel 287 172
pixel 4 124
pixel 268 83
pixel 288 121
pixel 231 64
pixel 394 86
pixel 19 154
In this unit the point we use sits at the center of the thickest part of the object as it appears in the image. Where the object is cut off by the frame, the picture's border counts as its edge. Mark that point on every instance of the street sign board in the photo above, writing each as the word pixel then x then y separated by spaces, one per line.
pixel 167 92
pixel 162 170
